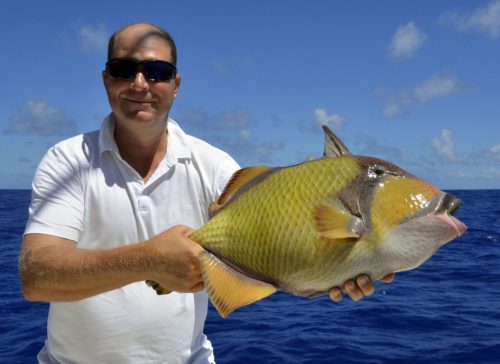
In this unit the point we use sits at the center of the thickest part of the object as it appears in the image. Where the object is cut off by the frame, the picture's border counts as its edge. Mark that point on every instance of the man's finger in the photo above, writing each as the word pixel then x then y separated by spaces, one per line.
pixel 336 294
pixel 365 284
pixel 388 278
pixel 353 290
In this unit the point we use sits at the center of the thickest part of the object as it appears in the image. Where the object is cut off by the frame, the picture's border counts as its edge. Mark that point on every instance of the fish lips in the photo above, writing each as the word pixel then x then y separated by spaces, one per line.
pixel 437 222
pixel 446 207
pixel 447 204
pixel 451 221
pixel 442 208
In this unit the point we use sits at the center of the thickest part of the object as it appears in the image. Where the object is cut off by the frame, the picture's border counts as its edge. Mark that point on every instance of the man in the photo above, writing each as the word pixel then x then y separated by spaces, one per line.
pixel 105 216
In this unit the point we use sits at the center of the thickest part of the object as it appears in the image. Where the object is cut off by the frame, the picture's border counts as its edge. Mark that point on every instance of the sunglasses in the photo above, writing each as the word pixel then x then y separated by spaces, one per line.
pixel 153 71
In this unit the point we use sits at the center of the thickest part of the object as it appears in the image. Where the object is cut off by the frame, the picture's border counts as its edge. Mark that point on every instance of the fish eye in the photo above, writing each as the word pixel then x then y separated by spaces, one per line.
pixel 377 171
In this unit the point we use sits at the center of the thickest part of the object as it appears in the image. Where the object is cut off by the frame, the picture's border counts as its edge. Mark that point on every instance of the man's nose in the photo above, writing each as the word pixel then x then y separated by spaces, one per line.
pixel 139 82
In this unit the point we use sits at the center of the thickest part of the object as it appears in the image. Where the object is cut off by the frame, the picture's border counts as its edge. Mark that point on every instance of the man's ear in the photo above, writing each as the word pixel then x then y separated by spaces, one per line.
pixel 177 84
pixel 105 79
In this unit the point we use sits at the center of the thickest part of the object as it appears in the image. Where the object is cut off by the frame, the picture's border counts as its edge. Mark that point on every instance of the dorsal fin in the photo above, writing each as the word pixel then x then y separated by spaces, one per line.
pixel 333 145
pixel 238 180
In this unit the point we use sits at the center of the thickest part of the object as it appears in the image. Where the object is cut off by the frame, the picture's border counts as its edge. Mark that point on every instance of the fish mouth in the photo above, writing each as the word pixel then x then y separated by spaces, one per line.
pixel 446 207
pixel 448 204
pixel 450 220
pixel 441 209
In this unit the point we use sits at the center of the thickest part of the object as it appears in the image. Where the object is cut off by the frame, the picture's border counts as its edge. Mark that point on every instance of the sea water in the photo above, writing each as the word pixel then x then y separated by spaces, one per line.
pixel 446 311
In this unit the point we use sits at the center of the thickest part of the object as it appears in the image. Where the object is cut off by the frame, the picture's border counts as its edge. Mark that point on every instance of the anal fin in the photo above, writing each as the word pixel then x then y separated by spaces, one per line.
pixel 227 288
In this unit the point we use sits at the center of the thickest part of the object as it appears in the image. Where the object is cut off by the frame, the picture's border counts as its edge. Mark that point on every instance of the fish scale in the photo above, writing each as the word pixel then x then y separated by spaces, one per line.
pixel 278 239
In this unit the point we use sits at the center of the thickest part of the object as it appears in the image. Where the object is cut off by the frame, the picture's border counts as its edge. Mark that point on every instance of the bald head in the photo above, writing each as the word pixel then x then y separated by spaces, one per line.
pixel 134 35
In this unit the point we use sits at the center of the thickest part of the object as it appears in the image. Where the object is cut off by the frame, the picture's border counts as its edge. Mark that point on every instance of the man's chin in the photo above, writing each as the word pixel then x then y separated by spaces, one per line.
pixel 142 116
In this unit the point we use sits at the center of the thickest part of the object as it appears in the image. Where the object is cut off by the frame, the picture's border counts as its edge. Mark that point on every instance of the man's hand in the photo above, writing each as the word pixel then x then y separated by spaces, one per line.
pixel 176 264
pixel 359 288
pixel 176 267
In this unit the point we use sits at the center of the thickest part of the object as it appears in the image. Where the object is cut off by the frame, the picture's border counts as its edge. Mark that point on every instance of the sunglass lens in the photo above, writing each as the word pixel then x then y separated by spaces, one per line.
pixel 154 71
pixel 158 71
pixel 122 68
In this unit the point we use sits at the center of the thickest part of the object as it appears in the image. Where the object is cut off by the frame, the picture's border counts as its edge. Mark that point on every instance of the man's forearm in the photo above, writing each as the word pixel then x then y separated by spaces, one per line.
pixel 55 269
pixel 63 272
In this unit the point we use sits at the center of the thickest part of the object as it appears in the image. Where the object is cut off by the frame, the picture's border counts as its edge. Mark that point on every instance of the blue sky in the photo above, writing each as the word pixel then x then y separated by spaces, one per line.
pixel 416 83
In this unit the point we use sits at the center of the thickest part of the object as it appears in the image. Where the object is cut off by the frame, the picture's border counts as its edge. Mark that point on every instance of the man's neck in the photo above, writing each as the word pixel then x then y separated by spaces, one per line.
pixel 142 149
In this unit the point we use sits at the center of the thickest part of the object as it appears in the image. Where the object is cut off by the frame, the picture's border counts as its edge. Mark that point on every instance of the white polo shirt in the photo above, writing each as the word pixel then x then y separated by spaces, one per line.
pixel 85 192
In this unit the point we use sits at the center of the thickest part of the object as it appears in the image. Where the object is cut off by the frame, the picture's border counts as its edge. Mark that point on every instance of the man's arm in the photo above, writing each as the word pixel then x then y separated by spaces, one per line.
pixel 55 269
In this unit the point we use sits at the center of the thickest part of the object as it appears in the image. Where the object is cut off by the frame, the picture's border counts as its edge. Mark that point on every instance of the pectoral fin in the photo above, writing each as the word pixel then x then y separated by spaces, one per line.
pixel 229 289
pixel 334 222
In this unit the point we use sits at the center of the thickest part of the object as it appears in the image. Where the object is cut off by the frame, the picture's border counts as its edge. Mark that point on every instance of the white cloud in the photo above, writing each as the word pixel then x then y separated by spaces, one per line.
pixel 261 152
pixel 335 122
pixel 437 86
pixel 394 104
pixel 245 134
pixel 495 150
pixel 370 146
pixel 464 174
pixel 483 20
pixel 220 67
pixel 93 39
pixel 231 130
pixel 434 87
pixel 246 145
pixel 444 145
pixel 37 117
pixel 491 172
pixel 234 119
pixel 405 42
pixel 393 110
pixel 226 66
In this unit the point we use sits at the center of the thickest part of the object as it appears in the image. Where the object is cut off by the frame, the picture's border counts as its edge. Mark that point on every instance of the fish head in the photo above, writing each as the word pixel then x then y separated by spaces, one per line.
pixel 405 216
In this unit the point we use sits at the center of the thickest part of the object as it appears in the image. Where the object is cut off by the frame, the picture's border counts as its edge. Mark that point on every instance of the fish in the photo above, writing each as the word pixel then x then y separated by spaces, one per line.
pixel 307 228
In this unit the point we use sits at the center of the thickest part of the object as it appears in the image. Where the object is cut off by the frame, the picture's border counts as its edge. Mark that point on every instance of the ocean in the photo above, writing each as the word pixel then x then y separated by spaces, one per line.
pixel 446 311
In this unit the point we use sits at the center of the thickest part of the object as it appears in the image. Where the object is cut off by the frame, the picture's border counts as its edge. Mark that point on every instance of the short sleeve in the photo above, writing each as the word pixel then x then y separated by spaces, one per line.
pixel 57 201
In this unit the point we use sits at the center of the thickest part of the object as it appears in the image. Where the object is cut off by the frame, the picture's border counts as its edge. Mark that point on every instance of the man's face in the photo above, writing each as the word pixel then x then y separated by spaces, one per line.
pixel 141 101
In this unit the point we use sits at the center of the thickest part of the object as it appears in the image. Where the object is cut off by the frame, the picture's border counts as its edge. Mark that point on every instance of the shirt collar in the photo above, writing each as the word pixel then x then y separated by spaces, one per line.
pixel 178 146
pixel 106 136
pixel 178 143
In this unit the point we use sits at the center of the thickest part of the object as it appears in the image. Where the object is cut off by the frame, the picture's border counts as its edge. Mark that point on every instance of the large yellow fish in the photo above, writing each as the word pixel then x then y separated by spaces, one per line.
pixel 310 227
